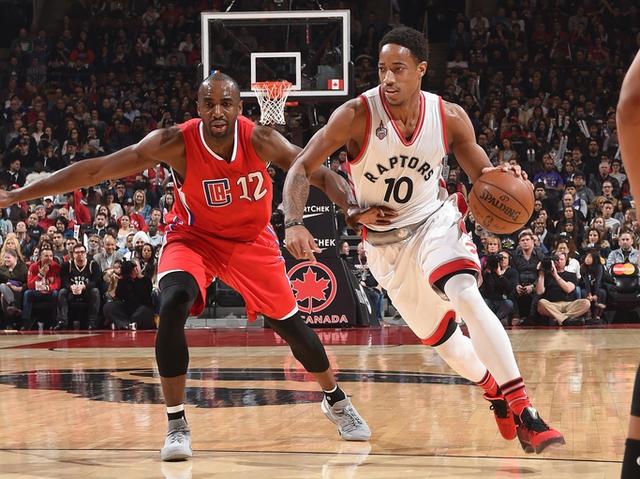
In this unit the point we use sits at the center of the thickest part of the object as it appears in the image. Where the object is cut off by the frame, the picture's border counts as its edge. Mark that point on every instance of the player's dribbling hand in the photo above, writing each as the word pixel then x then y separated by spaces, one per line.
pixel 300 243
pixel 374 215
pixel 516 169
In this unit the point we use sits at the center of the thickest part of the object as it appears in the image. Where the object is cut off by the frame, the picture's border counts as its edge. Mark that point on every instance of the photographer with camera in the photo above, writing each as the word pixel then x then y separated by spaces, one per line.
pixel 131 307
pixel 498 288
pixel 557 291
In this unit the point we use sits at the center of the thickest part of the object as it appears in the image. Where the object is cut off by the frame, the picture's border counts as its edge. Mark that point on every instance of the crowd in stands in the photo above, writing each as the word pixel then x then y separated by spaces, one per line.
pixel 539 80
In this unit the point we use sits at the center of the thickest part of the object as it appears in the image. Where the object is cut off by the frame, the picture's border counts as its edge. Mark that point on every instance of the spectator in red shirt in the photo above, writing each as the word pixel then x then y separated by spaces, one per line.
pixel 43 283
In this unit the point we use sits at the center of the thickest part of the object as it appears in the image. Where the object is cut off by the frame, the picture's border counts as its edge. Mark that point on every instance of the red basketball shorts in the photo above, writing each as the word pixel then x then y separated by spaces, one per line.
pixel 255 269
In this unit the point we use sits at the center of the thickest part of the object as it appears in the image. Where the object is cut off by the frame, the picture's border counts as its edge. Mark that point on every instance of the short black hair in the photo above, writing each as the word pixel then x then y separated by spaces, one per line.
pixel 409 38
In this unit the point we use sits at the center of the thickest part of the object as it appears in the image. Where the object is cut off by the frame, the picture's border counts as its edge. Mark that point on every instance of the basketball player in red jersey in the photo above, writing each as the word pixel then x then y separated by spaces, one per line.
pixel 628 123
pixel 397 136
pixel 221 229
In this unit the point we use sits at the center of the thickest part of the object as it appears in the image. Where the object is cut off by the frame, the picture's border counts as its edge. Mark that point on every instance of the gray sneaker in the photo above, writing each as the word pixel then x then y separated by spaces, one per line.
pixel 351 426
pixel 177 445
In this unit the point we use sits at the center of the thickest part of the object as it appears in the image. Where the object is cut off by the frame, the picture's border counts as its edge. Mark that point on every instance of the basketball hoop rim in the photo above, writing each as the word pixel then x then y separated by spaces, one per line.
pixel 276 88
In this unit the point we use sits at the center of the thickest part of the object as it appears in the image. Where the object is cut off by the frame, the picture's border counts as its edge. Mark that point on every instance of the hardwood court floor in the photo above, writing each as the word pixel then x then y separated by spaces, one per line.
pixel 82 405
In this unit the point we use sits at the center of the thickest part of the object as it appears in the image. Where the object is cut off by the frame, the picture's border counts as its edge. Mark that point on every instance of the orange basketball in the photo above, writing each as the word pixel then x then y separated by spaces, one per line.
pixel 501 202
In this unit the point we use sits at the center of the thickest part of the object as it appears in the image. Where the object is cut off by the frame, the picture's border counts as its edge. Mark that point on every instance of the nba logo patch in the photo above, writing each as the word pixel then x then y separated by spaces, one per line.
pixel 381 131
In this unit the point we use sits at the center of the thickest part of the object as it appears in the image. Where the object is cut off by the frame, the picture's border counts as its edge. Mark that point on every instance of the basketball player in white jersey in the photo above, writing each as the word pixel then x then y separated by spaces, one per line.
pixel 628 123
pixel 397 136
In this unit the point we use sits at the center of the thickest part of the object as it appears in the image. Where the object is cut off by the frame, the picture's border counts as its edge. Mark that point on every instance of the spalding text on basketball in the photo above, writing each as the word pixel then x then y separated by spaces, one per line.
pixel 401 161
pixel 500 205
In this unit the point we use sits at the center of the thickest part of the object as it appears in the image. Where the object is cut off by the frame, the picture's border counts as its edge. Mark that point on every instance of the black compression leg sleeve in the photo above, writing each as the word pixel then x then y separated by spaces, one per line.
pixel 178 291
pixel 303 341
pixel 631 460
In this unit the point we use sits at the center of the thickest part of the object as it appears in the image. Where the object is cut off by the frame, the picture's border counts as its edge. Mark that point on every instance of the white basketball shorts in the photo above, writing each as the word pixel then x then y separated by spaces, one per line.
pixel 409 269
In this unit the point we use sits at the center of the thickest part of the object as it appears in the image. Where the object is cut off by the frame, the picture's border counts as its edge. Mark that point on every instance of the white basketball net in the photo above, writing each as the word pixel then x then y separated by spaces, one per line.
pixel 272 96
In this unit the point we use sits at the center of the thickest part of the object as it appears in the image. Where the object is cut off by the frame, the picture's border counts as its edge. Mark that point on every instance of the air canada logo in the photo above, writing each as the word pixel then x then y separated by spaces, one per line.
pixel 381 131
pixel 314 285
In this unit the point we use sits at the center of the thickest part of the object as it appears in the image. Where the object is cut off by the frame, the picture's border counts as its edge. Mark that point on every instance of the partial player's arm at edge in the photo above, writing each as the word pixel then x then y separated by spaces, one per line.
pixel 336 133
pixel 273 147
pixel 628 123
pixel 462 140
pixel 165 145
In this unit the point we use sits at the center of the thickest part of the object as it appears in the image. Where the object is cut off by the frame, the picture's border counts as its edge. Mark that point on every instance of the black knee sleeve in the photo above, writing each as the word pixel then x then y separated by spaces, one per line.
pixel 635 398
pixel 178 292
pixel 303 341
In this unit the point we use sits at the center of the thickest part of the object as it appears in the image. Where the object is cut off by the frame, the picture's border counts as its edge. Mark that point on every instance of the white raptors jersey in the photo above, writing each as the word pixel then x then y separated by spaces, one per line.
pixel 404 174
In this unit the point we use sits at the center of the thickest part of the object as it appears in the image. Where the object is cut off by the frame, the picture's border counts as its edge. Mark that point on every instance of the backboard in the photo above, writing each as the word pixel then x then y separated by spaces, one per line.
pixel 311 49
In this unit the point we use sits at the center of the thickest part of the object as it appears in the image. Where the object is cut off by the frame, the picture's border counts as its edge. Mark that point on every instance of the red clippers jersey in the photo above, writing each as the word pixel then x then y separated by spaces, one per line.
pixel 228 200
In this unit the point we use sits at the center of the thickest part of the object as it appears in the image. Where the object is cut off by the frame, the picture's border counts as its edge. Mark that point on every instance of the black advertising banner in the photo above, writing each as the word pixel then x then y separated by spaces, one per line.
pixel 328 294
pixel 319 219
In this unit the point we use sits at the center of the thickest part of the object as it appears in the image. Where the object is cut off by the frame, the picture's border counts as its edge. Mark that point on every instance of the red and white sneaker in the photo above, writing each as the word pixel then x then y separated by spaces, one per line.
pixel 533 432
pixel 504 416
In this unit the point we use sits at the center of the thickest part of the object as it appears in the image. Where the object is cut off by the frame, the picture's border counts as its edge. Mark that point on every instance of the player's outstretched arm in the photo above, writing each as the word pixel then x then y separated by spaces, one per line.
pixel 462 140
pixel 628 123
pixel 272 147
pixel 165 145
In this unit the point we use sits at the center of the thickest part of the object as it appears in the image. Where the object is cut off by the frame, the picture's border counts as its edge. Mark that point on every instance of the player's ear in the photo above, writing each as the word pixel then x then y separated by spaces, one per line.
pixel 240 104
pixel 422 67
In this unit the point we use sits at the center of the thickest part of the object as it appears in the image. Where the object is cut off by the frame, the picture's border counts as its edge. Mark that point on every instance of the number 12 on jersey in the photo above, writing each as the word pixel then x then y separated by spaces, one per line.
pixel 218 193
pixel 400 189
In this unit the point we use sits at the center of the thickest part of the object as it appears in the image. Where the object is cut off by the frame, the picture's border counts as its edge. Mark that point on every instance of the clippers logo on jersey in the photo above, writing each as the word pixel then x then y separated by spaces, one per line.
pixel 217 192
pixel 381 131
pixel 314 286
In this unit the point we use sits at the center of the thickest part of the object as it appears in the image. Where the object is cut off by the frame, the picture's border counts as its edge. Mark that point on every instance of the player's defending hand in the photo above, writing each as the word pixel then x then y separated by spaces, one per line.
pixel 374 215
pixel 300 243
pixel 5 199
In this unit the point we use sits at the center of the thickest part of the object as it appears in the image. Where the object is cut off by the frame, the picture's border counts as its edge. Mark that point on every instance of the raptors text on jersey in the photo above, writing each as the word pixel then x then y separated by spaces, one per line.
pixel 391 170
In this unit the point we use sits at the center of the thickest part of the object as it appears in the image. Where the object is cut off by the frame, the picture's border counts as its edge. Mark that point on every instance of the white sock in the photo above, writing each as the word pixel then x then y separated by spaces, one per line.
pixel 488 336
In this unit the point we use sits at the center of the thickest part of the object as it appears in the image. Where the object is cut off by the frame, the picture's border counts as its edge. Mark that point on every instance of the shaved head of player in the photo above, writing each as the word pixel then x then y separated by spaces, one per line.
pixel 219 105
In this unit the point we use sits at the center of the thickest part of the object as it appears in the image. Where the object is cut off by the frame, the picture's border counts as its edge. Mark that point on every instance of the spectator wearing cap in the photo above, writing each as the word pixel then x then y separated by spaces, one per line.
pixel 43 220
pixel 582 191
pixel 14 174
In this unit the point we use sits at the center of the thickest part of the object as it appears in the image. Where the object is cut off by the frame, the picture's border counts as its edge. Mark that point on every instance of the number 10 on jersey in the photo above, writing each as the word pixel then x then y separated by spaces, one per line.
pixel 400 189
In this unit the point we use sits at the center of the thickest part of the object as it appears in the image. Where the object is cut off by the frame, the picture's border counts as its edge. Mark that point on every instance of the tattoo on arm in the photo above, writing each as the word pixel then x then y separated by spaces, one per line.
pixel 297 185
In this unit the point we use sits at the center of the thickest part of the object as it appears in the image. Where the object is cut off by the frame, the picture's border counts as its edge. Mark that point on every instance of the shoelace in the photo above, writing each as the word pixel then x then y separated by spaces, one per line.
pixel 177 435
pixel 353 421
pixel 536 423
pixel 500 408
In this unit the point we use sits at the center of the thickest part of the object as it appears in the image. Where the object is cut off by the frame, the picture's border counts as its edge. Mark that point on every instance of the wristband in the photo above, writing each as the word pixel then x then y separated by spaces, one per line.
pixel 289 224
